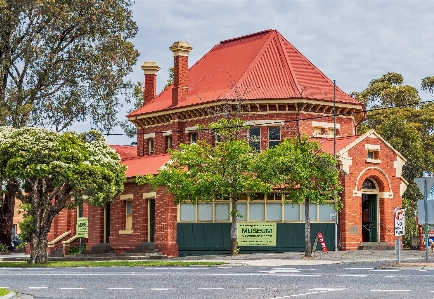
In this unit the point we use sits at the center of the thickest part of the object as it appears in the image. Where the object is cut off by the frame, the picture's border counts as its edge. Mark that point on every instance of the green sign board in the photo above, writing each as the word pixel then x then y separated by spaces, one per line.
pixel 82 227
pixel 257 234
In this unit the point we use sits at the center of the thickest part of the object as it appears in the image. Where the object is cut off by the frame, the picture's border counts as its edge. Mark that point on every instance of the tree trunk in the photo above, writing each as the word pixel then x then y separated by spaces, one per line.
pixel 234 243
pixel 308 249
pixel 6 218
pixel 38 246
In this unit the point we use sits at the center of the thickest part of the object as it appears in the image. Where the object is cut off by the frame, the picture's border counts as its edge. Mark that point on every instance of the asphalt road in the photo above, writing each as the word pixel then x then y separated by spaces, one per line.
pixel 319 282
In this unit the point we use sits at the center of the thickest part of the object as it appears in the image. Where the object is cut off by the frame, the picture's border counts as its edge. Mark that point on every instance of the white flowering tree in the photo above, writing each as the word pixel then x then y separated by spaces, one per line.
pixel 50 171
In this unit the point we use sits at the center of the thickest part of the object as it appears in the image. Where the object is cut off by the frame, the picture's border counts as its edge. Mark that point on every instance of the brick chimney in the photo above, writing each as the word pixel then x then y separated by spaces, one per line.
pixel 150 69
pixel 180 75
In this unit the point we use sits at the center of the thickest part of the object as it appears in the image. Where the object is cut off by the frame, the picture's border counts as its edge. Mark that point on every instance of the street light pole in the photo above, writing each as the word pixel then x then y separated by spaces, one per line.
pixel 334 155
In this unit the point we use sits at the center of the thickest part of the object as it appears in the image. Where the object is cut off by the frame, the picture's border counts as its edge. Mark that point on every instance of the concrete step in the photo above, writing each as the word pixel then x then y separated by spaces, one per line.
pixel 375 246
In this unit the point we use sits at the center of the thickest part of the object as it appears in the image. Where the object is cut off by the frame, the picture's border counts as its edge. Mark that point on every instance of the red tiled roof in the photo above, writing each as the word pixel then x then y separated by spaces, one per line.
pixel 262 65
pixel 145 165
pixel 327 144
pixel 125 151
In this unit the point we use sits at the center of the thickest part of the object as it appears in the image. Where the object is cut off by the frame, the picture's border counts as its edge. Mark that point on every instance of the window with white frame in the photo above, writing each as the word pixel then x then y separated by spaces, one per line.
pixel 193 137
pixel 128 215
pixel 168 142
pixel 273 136
pixel 255 208
pixel 151 146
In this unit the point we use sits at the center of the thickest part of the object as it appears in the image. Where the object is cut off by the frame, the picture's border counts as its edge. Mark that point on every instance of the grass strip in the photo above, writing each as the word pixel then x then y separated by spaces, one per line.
pixel 63 264
pixel 4 292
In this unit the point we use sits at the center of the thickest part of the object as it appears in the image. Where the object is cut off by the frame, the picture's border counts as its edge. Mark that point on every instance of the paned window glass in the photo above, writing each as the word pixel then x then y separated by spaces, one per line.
pixel 187 212
pixel 193 137
pixel 312 212
pixel 204 212
pixel 129 207
pixel 242 209
pixel 325 211
pixel 274 212
pixel 292 212
pixel 222 211
pixel 273 136
pixel 256 211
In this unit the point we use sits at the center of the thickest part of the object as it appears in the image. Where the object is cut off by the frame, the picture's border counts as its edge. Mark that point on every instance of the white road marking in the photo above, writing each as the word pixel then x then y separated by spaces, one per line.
pixel 359 268
pixel 254 288
pixel 282 271
pixel 4 287
pixel 119 288
pixel 385 270
pixel 160 289
pixel 390 276
pixel 210 288
pixel 300 275
pixel 315 291
pixel 38 287
pixel 72 288
pixel 390 290
pixel 353 275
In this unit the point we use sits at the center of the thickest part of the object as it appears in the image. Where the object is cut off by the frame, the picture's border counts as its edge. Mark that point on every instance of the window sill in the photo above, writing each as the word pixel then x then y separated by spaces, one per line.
pixel 374 161
pixel 125 232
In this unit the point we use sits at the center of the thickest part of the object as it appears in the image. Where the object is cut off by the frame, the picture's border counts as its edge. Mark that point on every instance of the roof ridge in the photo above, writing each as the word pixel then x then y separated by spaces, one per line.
pixel 292 75
pixel 254 60
pixel 245 36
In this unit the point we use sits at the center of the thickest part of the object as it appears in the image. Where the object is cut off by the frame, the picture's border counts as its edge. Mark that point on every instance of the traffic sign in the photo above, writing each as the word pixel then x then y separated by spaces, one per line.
pixel 399 221
pixel 420 182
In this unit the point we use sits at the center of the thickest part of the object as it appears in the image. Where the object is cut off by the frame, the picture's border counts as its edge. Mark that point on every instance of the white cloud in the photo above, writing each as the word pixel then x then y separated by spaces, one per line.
pixel 349 41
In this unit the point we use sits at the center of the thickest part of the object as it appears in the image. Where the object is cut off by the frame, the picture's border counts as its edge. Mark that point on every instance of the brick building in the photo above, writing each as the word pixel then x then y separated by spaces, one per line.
pixel 280 94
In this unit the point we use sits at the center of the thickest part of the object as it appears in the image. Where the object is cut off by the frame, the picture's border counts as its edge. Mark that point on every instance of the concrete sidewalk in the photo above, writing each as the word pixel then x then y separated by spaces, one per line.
pixel 292 258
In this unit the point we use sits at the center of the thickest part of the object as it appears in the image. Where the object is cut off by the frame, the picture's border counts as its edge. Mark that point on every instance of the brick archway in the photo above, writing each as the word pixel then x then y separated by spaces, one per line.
pixel 377 175
pixel 384 196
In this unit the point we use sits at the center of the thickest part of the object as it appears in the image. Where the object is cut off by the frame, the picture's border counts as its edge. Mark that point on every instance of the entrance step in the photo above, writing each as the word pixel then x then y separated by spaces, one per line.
pixel 145 249
pixel 100 248
pixel 375 246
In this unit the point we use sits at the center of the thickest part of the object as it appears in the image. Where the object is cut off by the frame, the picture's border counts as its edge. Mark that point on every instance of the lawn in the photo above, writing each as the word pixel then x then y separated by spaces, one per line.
pixel 4 292
pixel 64 264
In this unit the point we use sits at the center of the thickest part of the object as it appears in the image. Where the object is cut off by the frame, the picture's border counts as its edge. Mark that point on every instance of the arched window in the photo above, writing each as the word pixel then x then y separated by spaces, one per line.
pixel 369 184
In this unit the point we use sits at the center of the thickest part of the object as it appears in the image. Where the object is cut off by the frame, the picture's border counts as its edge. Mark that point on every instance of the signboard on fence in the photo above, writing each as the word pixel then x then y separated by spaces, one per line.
pixel 257 234
pixel 82 227
pixel 399 221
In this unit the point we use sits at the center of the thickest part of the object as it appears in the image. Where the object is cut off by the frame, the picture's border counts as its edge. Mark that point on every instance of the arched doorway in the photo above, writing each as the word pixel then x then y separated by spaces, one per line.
pixel 369 211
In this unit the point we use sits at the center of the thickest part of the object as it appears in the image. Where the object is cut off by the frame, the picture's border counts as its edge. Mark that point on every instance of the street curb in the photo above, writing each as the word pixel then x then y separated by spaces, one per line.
pixel 11 295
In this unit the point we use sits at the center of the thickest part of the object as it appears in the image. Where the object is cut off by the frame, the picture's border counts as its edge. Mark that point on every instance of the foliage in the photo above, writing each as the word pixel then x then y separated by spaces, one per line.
pixel 52 170
pixel 64 264
pixel 203 172
pixel 63 61
pixel 22 246
pixel 27 224
pixel 138 95
pixel 170 79
pixel 305 174
pixel 76 250
pixel 396 112
pixel 4 249
pixel 4 292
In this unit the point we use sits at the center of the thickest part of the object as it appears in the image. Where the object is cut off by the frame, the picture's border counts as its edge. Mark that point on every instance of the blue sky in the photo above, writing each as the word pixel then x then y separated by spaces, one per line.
pixel 351 42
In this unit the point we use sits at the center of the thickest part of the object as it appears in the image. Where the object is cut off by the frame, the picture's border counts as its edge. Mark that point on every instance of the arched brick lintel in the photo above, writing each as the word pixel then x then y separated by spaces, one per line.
pixel 378 175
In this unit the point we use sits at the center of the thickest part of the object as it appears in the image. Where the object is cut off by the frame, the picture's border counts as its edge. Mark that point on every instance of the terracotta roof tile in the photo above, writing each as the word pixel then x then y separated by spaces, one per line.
pixel 327 144
pixel 125 151
pixel 144 165
pixel 262 65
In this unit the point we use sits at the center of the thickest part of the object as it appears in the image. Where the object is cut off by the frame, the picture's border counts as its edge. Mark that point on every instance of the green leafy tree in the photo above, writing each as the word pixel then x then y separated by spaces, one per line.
pixel 62 62
pixel 203 172
pixel 396 112
pixel 170 79
pixel 305 174
pixel 50 171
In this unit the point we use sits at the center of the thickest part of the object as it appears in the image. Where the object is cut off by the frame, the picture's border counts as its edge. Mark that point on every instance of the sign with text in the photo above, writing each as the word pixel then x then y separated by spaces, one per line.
pixel 82 227
pixel 257 234
pixel 399 221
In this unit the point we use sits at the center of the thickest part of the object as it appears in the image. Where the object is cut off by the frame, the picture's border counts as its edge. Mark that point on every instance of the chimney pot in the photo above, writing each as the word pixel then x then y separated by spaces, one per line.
pixel 180 75
pixel 150 69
